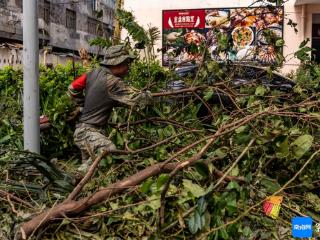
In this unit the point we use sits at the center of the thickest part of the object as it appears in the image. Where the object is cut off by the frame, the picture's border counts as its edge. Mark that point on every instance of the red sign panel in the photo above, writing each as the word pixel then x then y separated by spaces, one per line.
pixel 184 19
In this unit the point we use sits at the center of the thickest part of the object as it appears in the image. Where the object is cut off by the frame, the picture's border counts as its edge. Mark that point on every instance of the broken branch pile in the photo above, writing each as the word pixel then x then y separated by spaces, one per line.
pixel 177 174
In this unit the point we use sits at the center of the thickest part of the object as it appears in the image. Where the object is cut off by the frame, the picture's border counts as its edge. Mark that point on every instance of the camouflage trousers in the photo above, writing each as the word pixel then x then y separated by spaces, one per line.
pixel 91 141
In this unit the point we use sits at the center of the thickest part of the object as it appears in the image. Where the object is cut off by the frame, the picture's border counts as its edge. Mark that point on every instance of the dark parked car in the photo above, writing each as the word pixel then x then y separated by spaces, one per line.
pixel 239 75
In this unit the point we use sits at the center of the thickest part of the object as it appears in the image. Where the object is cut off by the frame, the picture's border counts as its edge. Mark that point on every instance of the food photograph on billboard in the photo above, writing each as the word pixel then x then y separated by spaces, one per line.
pixel 245 30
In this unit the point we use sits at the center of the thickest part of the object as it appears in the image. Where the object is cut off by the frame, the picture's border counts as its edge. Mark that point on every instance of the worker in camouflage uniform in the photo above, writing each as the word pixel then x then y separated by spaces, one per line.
pixel 102 89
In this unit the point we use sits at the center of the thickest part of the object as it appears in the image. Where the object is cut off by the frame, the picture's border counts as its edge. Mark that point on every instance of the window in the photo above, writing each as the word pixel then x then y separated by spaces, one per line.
pixel 71 19
pixel 94 5
pixel 94 27
pixel 46 11
pixel 316 37
pixel 3 3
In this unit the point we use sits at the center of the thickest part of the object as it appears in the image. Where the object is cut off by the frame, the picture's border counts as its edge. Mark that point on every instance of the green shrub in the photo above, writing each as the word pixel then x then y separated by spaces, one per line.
pixel 54 103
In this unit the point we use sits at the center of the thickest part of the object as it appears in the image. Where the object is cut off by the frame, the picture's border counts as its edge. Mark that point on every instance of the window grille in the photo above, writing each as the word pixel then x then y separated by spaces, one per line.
pixel 71 19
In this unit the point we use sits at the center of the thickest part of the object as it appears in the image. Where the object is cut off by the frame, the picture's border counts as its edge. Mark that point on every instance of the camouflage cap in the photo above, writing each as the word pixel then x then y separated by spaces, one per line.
pixel 116 55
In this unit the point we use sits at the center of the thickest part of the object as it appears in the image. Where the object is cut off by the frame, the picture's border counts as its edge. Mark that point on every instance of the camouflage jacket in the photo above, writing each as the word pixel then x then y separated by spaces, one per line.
pixel 101 91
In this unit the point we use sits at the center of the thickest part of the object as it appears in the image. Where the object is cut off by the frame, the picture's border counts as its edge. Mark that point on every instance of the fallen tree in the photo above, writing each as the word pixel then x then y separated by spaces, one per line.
pixel 70 207
pixel 189 166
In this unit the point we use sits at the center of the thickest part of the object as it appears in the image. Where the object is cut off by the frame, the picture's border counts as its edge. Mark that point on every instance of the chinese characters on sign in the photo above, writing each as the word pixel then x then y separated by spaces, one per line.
pixel 183 19
pixel 243 30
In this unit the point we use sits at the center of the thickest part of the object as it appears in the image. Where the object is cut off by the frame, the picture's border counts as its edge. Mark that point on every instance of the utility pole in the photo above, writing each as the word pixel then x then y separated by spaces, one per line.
pixel 31 109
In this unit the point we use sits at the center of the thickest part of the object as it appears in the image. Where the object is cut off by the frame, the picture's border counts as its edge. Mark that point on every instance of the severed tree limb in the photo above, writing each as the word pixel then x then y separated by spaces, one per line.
pixel 227 128
pixel 98 159
pixel 75 207
pixel 72 207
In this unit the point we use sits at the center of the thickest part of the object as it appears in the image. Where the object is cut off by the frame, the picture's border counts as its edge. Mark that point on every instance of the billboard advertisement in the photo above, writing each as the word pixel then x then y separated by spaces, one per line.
pixel 243 30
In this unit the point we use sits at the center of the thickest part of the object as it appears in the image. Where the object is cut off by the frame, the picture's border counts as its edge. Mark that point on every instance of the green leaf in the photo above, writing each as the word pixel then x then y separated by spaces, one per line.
pixel 119 139
pixel 247 231
pixel 64 185
pixel 197 217
pixel 196 222
pixel 154 202
pixel 162 179
pixel 202 205
pixel 145 187
pixel 283 148
pixel 104 163
pixel 235 171
pixel 231 206
pixel 302 145
pixel 241 129
pixel 5 139
pixel 242 138
pixel 304 43
pixel 260 91
pixel 271 185
pixel 192 224
pixel 224 233
pixel 221 152
pixel 280 43
pixel 233 185
pixel 55 116
pixel 313 200
pixel 194 189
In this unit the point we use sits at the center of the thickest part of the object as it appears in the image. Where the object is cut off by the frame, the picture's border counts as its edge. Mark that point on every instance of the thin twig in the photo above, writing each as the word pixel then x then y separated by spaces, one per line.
pixel 294 210
pixel 229 178
pixel 154 145
pixel 87 177
pixel 6 194
pixel 235 163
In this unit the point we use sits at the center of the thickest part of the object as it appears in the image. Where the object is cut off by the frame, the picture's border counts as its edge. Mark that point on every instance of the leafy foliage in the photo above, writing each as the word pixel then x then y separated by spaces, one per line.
pixel 151 75
pixel 54 103
pixel 200 201
pixel 143 39
pixel 283 143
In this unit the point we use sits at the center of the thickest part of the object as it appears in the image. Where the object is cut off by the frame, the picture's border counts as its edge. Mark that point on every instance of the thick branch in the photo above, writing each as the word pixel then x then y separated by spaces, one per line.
pixel 72 207
pixel 75 207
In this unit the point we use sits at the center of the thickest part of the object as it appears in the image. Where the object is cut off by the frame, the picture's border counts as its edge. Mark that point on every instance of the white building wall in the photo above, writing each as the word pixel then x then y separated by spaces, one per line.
pixel 13 57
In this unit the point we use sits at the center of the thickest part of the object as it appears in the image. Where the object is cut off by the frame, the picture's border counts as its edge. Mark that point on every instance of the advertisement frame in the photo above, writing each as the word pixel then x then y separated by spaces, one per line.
pixel 219 9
